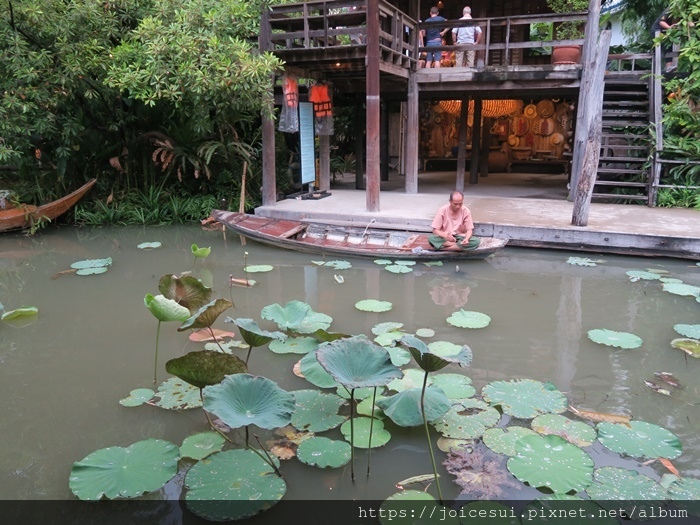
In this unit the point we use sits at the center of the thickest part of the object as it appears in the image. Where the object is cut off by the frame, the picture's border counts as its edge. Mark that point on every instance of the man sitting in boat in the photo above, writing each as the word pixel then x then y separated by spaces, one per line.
pixel 453 226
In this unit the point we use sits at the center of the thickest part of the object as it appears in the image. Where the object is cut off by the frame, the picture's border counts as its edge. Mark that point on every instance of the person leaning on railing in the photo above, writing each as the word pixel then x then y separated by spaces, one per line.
pixel 432 36
pixel 468 35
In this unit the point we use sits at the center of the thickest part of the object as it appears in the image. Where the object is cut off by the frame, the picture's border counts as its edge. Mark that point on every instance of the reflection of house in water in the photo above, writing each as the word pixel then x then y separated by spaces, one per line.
pixel 448 292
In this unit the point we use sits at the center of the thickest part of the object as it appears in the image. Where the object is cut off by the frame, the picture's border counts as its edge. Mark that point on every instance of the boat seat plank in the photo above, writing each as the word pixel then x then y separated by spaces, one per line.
pixel 293 231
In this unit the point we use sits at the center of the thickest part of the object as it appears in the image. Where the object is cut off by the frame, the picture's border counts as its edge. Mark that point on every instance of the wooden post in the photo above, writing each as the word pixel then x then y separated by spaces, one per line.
pixel 476 143
pixel 359 146
pixel 384 141
pixel 655 110
pixel 373 106
pixel 594 105
pixel 462 144
pixel 269 176
pixel 412 135
pixel 324 162
pixel 485 148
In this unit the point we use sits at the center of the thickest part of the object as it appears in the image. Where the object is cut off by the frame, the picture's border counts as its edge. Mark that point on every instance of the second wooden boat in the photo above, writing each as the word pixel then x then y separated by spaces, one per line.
pixel 346 240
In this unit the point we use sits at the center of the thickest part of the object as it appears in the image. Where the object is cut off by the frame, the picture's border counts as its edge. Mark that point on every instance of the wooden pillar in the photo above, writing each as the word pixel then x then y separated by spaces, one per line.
pixel 359 146
pixel 476 143
pixel 412 135
pixel 485 148
pixel 269 182
pixel 373 107
pixel 324 162
pixel 462 144
pixel 384 141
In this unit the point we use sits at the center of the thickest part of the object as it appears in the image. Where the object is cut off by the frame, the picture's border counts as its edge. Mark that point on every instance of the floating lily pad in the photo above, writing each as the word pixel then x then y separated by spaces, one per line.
pixel 205 367
pixel 226 347
pixel 92 263
pixel 404 408
pixel 388 338
pixel 372 305
pixel 149 245
pixel 688 330
pixel 176 394
pixel 444 348
pixel 316 411
pixel 399 356
pixel 388 326
pixel 17 313
pixel 581 261
pixel 433 263
pixel 314 373
pixel 452 445
pixel 689 346
pixel 296 316
pixel 405 263
pixel 199 446
pixel 380 436
pixel 639 440
pixel 92 271
pixel 323 452
pixel 502 440
pixel 455 386
pixel 137 397
pixel 639 275
pixel 575 432
pixel 243 399
pixel 339 265
pixel 258 268
pixel 619 484
pixel 383 262
pixel 682 289
pixel 685 489
pixel 232 485
pixel 551 462
pixel 118 472
pixel 615 339
pixel 365 408
pixel 412 378
pixel 525 398
pixel 468 419
pixel 468 319
pixel 425 332
pixel 398 268
pixel 294 345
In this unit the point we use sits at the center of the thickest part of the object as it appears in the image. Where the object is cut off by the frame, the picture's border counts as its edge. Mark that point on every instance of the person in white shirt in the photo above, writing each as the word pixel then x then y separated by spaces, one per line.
pixel 468 35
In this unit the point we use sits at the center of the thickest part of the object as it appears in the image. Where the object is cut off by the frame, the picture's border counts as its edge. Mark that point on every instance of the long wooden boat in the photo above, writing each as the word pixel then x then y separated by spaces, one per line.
pixel 25 216
pixel 346 240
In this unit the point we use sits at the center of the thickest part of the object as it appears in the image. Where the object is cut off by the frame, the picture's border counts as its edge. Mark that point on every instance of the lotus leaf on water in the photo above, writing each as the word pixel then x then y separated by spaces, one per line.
pixel 338 265
pixel 687 290
pixel 176 394
pixel 431 361
pixel 404 408
pixel 467 419
pixel 323 452
pixel 187 291
pixel 617 339
pixel 468 319
pixel 412 378
pixel 285 447
pixel 398 268
pixel 502 440
pixel 581 261
pixel 199 446
pixel 433 263
pixel 399 356
pixel 118 472
pixel 451 444
pixel 688 330
pixel 685 489
pixel 164 309
pixel 640 440
pixel 365 407
pixel 575 432
pixel 314 373
pixel 388 338
pixel 386 327
pixel 316 411
pixel 149 245
pixel 293 345
pixel 670 280
pixel 525 398
pixel 552 462
pixel 372 305
pixel 91 271
pixel 689 346
pixel 258 268
pixel 226 346
pixel 362 425
pixel 232 485
pixel 382 262
pixel 444 348
pixel 205 367
pixel 92 263
pixel 243 399
pixel 425 332
pixel 629 486
pixel 638 275
pixel 137 397
pixel 206 315
pixel 324 337
pixel 296 316
pixel 455 386
pixel 24 311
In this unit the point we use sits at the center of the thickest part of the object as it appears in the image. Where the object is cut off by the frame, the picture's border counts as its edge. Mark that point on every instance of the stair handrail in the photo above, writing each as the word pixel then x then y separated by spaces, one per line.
pixel 655 101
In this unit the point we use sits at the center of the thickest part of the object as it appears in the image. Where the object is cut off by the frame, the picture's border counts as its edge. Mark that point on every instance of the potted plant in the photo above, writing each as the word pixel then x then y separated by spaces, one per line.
pixel 567 30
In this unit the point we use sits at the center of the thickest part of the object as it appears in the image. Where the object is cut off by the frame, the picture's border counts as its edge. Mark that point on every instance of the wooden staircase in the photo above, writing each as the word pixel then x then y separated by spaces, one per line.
pixel 623 168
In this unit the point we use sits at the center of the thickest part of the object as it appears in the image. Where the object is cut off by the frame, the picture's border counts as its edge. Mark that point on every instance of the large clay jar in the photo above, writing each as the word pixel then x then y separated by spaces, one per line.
pixel 498 162
pixel 566 54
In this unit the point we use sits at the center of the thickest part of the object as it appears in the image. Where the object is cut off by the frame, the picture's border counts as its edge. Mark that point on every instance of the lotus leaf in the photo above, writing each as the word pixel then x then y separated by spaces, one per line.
pixel 525 398
pixel 502 440
pixel 455 386
pixel 575 432
pixel 639 440
pixel 118 472
pixel 176 394
pixel 199 446
pixel 356 362
pixel 412 378
pixel 254 335
pixel 294 345
pixel 382 262
pixel 670 280
pixel 316 411
pixel 205 367
pixel 413 505
pixel 243 399
pixel 467 319
pixel 209 334
pixel 689 346
pixel 380 436
pixel 453 445
pixel 389 326
pixel 206 315
pixel 24 311
pixel 165 309
pixel 372 305
pixel 619 484
pixel 615 339
pixel 226 346
pixel 688 330
pixel 324 337
pixel 398 268
pixel 137 397
pixel 339 265
pixel 314 373
pixel 232 485
pixel 323 452
pixel 551 462
pixel 200 252
pixel 258 268
pixel 404 408
pixel 638 275
pixel 365 407
pixel 581 261
pixel 682 289
pixel 388 338
pixel 685 489
pixel 444 348
pixel 149 245
pixel 187 291
pixel 91 271
pixel 296 316
pixel 425 332
pixel 92 263
pixel 433 263
pixel 399 356
pixel 405 263
pixel 430 361
pixel 468 419
pixel 358 393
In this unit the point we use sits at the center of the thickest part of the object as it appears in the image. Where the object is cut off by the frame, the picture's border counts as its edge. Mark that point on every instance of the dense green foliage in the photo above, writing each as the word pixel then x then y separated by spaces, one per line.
pixel 160 95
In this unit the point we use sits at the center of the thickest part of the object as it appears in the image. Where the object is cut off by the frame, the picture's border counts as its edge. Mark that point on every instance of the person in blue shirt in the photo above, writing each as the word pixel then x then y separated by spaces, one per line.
pixel 432 36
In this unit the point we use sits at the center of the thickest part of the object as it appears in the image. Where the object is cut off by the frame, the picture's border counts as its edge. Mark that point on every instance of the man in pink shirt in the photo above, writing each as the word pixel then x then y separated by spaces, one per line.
pixel 453 226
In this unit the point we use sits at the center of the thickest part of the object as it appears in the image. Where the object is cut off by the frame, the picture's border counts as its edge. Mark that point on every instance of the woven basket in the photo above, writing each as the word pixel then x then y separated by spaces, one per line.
pixel 545 108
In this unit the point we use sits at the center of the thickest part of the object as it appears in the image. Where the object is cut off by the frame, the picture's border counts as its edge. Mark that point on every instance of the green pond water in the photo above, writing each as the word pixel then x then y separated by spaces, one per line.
pixel 63 372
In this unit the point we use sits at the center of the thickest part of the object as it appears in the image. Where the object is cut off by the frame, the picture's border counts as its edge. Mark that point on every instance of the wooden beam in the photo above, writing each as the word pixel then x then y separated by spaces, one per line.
pixel 476 143
pixel 412 136
pixel 373 107
pixel 324 162
pixel 462 144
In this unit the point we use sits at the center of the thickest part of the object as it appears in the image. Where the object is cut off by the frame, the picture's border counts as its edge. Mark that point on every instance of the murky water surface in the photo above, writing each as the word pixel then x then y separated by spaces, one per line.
pixel 62 375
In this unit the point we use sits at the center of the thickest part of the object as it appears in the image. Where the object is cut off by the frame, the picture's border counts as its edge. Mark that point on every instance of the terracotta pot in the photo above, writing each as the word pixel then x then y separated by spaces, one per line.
pixel 498 162
pixel 566 54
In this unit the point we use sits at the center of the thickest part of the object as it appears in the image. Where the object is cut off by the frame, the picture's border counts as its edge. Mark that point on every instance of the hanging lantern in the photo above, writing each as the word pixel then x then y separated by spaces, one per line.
pixel 489 108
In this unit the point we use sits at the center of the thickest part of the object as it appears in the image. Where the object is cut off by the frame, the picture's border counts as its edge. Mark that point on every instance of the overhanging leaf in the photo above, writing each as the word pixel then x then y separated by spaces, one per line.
pixel 296 316
pixel 165 310
pixel 24 311
pixel 206 315
pixel 187 291
pixel 205 367
pixel 254 335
